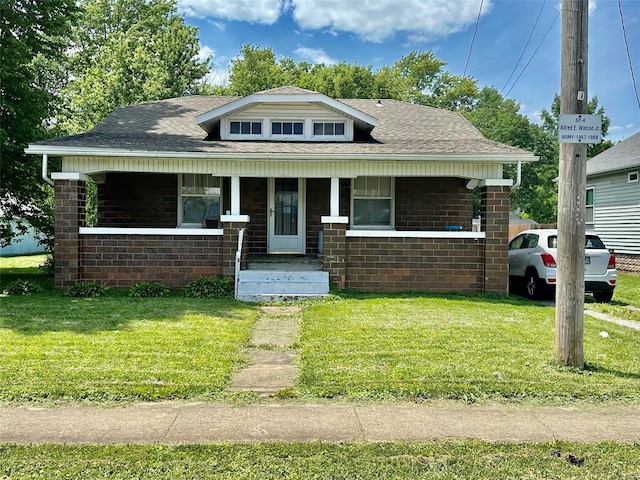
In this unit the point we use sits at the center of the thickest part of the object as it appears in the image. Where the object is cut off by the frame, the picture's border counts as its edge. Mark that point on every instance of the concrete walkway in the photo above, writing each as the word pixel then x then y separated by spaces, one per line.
pixel 271 357
pixel 196 423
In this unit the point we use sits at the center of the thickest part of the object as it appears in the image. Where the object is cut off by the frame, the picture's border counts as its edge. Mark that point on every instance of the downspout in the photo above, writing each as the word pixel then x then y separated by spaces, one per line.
pixel 45 160
pixel 518 177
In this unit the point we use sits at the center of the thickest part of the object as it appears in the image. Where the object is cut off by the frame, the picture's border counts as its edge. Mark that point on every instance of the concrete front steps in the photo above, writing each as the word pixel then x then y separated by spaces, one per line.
pixel 273 285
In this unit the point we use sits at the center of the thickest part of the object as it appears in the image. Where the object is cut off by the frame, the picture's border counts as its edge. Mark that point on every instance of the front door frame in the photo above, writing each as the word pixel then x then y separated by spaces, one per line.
pixel 282 244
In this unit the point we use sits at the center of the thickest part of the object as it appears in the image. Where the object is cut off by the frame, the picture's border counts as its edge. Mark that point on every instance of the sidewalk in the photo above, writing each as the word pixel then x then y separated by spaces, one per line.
pixel 197 423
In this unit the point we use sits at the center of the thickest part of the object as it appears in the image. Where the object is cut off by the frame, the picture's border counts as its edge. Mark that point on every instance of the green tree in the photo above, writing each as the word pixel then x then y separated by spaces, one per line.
pixel 126 52
pixel 33 38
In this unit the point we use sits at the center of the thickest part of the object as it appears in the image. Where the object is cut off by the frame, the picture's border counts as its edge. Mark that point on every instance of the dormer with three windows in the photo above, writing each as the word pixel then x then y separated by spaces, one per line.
pixel 287 114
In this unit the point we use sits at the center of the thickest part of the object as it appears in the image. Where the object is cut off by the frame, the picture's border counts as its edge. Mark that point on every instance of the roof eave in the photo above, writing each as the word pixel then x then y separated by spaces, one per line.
pixel 111 152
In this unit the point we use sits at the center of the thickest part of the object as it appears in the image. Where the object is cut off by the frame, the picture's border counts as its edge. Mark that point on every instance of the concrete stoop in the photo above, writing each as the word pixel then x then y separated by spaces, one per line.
pixel 272 362
pixel 274 285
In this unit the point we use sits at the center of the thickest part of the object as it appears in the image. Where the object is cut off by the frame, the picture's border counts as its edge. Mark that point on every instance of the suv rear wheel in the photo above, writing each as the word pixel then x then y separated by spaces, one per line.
pixel 603 297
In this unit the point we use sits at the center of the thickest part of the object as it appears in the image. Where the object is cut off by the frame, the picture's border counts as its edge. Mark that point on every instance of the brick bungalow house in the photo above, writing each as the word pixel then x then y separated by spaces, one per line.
pixel 380 191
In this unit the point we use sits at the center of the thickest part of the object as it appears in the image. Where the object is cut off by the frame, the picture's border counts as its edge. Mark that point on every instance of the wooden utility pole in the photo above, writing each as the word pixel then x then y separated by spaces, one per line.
pixel 571 189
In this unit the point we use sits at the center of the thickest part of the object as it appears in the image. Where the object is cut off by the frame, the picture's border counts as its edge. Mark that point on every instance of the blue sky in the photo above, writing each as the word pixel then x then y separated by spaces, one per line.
pixel 379 32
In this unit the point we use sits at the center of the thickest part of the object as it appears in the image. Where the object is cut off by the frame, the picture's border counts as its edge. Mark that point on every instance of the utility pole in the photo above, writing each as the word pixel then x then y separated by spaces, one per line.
pixel 571 189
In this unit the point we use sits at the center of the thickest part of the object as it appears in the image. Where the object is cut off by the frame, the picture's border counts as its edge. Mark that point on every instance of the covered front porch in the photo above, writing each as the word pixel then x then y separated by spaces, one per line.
pixel 431 246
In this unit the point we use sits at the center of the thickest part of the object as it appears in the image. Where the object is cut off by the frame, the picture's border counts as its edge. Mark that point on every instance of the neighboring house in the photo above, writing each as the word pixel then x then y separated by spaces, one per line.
pixel 382 189
pixel 613 200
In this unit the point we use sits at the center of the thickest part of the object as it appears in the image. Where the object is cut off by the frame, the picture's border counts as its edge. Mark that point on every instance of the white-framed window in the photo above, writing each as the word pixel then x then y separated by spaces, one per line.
pixel 200 200
pixel 328 129
pixel 590 200
pixel 287 128
pixel 632 177
pixel 250 127
pixel 372 202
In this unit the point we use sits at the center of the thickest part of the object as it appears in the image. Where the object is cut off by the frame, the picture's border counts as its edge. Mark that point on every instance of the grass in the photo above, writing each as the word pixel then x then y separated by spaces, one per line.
pixel 467 348
pixel 626 299
pixel 55 349
pixel 116 349
pixel 433 460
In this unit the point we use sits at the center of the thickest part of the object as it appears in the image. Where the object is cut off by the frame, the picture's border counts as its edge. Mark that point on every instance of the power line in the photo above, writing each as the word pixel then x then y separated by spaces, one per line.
pixel 525 47
pixel 475 30
pixel 626 43
pixel 534 53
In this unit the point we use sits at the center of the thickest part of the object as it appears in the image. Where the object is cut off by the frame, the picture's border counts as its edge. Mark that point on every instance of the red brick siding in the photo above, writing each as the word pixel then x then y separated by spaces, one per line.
pixel 138 199
pixel 69 216
pixel 253 193
pixel 122 260
pixel 418 264
pixel 432 203
pixel 318 205
pixel 494 211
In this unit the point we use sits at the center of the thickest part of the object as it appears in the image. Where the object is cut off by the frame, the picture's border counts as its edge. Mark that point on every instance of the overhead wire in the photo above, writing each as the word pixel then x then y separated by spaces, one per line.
pixel 626 43
pixel 524 49
pixel 475 31
pixel 534 53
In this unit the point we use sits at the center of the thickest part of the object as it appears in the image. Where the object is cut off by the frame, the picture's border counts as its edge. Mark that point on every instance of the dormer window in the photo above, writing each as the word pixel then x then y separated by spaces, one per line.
pixel 245 128
pixel 328 129
pixel 287 128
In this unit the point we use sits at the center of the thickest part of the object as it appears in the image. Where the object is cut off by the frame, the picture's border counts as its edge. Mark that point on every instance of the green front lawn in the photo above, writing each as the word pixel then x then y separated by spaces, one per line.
pixel 467 348
pixel 626 298
pixel 433 460
pixel 54 348
pixel 359 347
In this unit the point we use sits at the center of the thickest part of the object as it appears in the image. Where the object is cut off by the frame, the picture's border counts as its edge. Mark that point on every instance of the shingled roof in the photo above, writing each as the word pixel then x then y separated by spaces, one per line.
pixel 621 156
pixel 170 126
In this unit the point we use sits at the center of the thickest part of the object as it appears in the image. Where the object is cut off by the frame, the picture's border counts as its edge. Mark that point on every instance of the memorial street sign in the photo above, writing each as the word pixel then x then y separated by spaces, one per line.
pixel 579 128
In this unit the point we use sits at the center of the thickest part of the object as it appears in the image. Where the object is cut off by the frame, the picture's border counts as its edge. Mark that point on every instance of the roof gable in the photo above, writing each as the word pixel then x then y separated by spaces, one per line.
pixel 622 155
pixel 285 95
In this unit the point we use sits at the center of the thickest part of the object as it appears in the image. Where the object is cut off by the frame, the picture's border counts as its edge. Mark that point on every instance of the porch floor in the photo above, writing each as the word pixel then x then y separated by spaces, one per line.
pixel 284 263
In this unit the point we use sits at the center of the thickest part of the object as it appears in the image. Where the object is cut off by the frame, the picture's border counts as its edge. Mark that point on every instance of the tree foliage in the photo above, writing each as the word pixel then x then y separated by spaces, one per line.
pixel 33 37
pixel 126 52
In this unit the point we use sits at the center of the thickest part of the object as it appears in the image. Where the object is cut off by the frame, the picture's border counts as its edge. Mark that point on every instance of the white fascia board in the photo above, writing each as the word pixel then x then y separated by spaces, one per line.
pixel 270 157
pixel 257 98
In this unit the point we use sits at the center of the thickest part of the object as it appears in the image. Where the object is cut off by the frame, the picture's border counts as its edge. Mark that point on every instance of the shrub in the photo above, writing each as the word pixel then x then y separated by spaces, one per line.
pixel 48 267
pixel 208 287
pixel 23 287
pixel 149 289
pixel 86 290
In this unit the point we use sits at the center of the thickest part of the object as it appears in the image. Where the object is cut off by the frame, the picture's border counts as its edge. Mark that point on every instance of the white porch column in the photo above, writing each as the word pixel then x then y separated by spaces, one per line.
pixel 235 195
pixel 335 197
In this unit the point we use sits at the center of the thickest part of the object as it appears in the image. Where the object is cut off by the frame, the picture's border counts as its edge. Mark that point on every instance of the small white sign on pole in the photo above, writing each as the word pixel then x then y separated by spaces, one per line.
pixel 578 128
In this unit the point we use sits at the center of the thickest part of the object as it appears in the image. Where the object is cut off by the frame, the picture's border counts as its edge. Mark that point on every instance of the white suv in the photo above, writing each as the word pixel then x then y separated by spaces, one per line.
pixel 532 263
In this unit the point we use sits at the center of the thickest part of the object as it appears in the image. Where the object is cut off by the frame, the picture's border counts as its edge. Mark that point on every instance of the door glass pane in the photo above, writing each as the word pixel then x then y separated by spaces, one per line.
pixel 286 206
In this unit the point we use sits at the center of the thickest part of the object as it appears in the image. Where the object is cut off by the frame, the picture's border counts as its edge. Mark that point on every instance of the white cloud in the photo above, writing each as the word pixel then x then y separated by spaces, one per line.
pixel 255 11
pixel 205 52
pixel 376 20
pixel 314 55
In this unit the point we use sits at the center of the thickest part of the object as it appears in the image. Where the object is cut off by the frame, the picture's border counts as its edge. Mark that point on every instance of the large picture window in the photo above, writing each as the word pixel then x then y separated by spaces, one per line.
pixel 373 202
pixel 200 200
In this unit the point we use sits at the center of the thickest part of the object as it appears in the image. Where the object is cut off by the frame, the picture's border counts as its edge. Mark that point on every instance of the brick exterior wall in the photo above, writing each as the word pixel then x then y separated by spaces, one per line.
pixel 69 216
pixel 418 264
pixel 494 211
pixel 432 204
pixel 254 200
pixel 335 253
pixel 138 200
pixel 122 260
pixel 318 204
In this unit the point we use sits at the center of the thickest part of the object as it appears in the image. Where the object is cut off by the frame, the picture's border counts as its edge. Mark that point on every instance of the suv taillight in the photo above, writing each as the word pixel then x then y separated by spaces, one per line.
pixel 548 260
pixel 612 262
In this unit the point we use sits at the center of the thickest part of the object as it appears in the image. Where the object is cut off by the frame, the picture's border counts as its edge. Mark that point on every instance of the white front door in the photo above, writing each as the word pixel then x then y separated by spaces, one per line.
pixel 286 215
